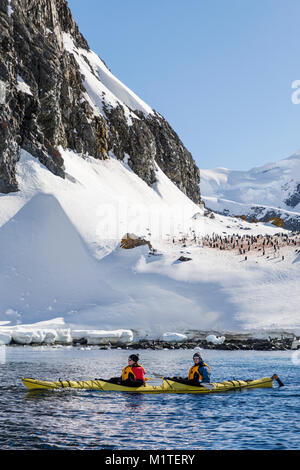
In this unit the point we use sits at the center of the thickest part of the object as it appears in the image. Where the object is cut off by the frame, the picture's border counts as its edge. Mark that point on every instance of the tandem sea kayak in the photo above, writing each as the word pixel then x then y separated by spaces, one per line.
pixel 168 385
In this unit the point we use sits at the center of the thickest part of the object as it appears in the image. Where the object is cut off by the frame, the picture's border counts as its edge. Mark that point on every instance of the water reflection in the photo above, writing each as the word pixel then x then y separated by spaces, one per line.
pixel 135 400
pixel 2 354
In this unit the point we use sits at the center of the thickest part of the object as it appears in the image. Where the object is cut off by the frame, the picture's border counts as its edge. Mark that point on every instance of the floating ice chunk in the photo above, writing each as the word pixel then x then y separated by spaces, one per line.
pixel 50 336
pixel 64 336
pixel 22 336
pixel 38 336
pixel 94 337
pixel 5 337
pixel 173 337
pixel 214 339
pixel 44 332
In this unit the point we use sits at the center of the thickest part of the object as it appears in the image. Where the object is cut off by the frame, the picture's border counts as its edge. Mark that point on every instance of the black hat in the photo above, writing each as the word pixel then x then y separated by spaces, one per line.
pixel 197 355
pixel 134 357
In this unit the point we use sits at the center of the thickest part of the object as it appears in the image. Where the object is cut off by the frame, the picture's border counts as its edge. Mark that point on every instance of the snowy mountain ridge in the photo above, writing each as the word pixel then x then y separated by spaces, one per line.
pixel 58 93
pixel 262 193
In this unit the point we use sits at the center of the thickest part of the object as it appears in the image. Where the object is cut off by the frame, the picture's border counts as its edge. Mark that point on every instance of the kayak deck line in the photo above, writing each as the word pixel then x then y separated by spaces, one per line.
pixel 167 386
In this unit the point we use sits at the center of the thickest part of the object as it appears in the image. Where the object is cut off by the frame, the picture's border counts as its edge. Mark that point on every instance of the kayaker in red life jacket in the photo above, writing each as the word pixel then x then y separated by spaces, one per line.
pixel 133 375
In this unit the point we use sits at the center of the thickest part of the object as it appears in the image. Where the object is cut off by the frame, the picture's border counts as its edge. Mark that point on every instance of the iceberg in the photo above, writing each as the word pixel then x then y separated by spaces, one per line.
pixel 173 337
pixel 215 339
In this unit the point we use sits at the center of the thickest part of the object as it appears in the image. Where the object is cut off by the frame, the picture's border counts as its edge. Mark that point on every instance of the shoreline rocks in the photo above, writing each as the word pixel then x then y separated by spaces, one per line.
pixel 249 345
pixel 55 332
pixel 255 344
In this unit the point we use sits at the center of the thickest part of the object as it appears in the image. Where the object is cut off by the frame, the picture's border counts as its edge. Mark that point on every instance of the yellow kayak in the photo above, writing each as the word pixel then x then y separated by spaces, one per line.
pixel 225 386
pixel 167 386
pixel 96 384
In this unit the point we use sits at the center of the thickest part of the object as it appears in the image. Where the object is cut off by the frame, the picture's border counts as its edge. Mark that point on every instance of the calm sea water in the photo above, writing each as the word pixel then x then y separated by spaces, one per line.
pixel 78 419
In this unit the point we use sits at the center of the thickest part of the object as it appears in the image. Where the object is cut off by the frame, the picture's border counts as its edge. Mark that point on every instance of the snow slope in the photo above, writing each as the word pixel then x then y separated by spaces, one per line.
pixel 102 87
pixel 40 252
pixel 60 256
pixel 274 186
pixel 103 199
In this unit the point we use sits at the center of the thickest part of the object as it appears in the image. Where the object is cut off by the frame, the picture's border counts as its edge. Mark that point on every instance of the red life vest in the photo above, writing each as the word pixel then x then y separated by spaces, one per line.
pixel 137 371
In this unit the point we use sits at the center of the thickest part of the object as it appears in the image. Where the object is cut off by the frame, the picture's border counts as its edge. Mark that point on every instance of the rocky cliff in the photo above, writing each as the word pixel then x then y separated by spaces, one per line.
pixel 55 92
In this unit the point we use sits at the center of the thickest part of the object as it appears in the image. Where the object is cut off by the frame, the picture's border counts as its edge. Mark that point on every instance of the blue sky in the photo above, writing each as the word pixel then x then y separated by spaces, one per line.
pixel 220 71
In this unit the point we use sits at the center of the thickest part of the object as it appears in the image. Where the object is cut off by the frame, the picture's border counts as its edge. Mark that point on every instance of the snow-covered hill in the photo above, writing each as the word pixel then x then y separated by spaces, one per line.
pixel 262 193
pixel 83 161
pixel 61 257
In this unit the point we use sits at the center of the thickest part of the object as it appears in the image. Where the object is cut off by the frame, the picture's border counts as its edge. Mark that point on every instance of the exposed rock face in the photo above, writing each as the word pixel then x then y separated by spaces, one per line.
pixel 294 198
pixel 130 240
pixel 45 104
pixel 184 258
pixel 275 216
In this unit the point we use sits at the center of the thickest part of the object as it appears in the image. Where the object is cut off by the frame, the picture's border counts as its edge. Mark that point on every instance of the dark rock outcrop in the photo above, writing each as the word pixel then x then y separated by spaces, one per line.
pixel 271 344
pixel 130 241
pixel 184 258
pixel 51 110
pixel 294 198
